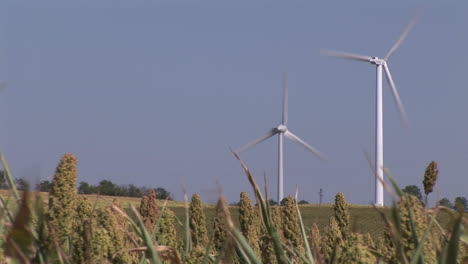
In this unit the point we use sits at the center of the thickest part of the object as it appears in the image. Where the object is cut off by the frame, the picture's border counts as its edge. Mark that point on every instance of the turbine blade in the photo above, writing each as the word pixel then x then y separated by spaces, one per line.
pixel 403 35
pixel 396 96
pixel 269 134
pixel 345 55
pixel 285 98
pixel 295 138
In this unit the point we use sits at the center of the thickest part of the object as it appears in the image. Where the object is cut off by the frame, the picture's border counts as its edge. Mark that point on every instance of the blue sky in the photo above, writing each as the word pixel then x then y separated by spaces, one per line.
pixel 155 93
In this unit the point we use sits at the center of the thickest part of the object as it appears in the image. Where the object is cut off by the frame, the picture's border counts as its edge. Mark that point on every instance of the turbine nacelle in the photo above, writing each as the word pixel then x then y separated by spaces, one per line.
pixel 282 128
pixel 377 61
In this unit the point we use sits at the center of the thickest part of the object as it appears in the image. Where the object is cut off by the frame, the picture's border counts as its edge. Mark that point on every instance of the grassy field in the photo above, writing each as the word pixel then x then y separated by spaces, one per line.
pixel 363 218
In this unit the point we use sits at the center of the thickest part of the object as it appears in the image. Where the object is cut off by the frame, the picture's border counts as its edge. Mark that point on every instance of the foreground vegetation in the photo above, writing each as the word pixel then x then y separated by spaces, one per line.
pixel 65 227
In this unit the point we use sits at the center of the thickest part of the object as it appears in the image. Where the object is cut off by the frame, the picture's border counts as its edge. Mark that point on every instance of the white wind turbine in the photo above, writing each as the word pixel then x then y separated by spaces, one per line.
pixel 380 63
pixel 281 130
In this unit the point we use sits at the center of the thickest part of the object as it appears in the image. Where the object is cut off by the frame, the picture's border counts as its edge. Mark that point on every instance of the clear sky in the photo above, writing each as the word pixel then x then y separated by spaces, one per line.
pixel 155 93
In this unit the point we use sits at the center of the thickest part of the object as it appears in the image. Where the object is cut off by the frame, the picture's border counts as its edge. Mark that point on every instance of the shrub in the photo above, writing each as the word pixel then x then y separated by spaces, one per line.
pixel 413 190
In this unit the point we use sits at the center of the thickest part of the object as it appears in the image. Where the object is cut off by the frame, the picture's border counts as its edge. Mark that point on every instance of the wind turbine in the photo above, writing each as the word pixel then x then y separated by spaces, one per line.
pixel 380 64
pixel 281 130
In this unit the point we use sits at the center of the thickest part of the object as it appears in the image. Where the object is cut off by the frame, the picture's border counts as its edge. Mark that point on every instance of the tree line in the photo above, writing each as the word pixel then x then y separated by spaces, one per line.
pixel 104 187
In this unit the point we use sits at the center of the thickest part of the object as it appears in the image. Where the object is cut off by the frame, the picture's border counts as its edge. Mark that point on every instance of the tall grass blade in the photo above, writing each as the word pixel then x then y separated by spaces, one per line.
pixel 163 209
pixel 420 257
pixel 19 240
pixel 452 251
pixel 395 186
pixel 6 209
pixel 265 213
pixel 151 253
pixel 303 232
pixel 242 256
pixel 236 234
pixel 188 238
pixel 418 253
pixel 9 177
pixel 252 257
pixel 206 257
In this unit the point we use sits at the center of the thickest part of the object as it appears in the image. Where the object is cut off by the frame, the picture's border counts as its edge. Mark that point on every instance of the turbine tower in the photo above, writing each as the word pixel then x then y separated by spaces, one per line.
pixel 281 130
pixel 381 64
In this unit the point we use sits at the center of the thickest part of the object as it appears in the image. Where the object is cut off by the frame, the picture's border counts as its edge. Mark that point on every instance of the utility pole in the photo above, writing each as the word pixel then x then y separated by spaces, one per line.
pixel 321 196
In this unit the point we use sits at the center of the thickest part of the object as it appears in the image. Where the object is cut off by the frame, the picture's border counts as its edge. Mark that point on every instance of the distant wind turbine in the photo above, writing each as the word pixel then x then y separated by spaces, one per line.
pixel 281 130
pixel 380 63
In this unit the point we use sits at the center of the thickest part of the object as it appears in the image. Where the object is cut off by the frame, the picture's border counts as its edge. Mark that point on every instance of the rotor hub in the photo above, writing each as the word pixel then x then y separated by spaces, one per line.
pixel 282 128
pixel 377 61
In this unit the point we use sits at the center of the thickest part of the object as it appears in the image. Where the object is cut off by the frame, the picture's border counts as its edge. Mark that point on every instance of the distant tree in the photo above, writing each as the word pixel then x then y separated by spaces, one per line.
pixel 134 191
pixel 461 203
pixel 121 190
pixel 430 178
pixel 162 194
pixel 445 202
pixel 144 190
pixel 85 188
pixel 320 196
pixel 413 190
pixel 3 180
pixel 272 202
pixel 22 184
pixel 106 187
pixel 44 186
pixel 283 202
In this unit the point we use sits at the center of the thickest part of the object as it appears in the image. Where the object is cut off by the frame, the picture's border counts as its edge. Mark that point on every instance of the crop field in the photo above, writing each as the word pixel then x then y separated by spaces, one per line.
pixel 363 219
